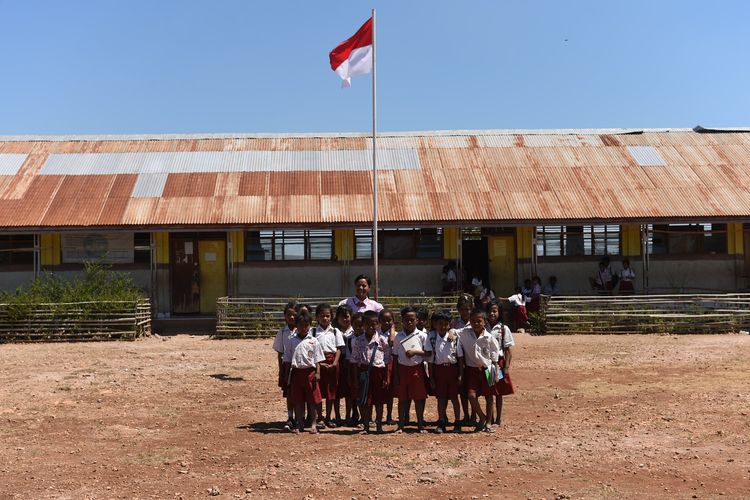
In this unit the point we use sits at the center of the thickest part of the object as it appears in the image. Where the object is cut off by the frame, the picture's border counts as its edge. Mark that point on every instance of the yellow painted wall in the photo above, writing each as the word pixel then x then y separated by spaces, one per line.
pixel 524 242
pixel 450 243
pixel 630 240
pixel 735 240
pixel 162 248
pixel 344 244
pixel 237 238
pixel 50 249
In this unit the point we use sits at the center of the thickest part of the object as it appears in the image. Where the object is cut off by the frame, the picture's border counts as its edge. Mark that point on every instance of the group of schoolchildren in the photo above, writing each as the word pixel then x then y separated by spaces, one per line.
pixel 360 358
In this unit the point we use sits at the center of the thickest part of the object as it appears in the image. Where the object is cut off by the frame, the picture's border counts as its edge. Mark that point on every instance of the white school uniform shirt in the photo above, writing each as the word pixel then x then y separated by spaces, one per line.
pixel 362 350
pixel 497 334
pixel 398 348
pixel 347 335
pixel 444 352
pixel 627 274
pixel 478 351
pixel 518 299
pixel 331 339
pixel 281 343
pixel 306 352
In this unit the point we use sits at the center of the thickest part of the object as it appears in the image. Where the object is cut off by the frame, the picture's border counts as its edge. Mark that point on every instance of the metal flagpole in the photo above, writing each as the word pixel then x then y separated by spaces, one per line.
pixel 374 169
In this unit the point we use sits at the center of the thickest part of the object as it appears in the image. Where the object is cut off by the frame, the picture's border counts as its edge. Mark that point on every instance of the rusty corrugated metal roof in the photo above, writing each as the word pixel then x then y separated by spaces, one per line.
pixel 483 177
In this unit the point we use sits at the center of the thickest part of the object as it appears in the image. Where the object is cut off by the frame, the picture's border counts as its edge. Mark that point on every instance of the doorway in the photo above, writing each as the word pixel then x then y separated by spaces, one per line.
pixel 475 262
pixel 198 272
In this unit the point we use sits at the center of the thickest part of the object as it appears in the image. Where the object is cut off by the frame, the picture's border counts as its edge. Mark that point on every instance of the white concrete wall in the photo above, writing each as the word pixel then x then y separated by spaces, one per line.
pixel 665 275
pixel 333 279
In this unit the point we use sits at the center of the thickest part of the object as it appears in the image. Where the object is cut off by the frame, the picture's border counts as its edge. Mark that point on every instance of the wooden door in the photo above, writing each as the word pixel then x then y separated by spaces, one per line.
pixel 212 260
pixel 185 275
pixel 502 257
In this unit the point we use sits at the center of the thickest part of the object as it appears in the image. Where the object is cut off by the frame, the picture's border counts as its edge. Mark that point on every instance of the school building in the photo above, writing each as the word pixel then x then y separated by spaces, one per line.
pixel 196 217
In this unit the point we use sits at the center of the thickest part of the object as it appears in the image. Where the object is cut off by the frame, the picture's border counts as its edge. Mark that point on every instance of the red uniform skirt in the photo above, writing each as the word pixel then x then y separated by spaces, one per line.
pixel 411 383
pixel 446 381
pixel 304 388
pixel 376 394
pixel 342 389
pixel 329 378
pixel 476 382
pixel 520 316
pixel 626 286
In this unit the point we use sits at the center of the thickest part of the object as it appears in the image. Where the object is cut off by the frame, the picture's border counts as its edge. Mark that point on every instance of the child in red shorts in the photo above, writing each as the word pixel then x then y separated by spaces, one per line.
pixel 445 371
pixel 478 353
pixel 410 348
pixel 280 343
pixel 307 354
pixel 332 342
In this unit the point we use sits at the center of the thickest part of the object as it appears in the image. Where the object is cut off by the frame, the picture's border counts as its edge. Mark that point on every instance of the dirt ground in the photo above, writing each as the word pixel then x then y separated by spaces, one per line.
pixel 593 417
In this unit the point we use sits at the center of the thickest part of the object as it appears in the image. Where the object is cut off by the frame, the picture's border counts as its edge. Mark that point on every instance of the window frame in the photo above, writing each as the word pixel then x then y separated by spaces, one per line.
pixel 702 235
pixel 18 249
pixel 421 249
pixel 276 244
pixel 591 240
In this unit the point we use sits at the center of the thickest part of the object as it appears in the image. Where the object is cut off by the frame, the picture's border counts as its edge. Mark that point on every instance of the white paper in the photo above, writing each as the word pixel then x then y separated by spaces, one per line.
pixel 188 248
pixel 412 342
pixel 210 256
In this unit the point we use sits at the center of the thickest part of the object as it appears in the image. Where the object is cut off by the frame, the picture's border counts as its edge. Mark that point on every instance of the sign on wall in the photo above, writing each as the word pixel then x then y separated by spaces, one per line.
pixel 109 248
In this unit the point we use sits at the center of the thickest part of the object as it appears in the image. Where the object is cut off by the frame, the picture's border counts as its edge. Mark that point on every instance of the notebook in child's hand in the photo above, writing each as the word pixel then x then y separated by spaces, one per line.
pixel 412 342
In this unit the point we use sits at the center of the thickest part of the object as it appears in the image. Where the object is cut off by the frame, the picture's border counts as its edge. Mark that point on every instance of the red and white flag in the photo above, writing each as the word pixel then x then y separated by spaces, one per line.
pixel 353 56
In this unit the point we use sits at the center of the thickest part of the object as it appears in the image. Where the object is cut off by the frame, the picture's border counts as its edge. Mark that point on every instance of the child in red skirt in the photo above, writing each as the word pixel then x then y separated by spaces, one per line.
pixel 332 342
pixel 520 314
pixel 464 306
pixel 280 344
pixel 445 372
pixel 372 354
pixel 503 336
pixel 411 374
pixel 307 354
pixel 477 353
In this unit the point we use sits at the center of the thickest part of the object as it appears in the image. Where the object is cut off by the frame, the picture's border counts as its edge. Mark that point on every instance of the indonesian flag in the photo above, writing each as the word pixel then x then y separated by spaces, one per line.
pixel 353 56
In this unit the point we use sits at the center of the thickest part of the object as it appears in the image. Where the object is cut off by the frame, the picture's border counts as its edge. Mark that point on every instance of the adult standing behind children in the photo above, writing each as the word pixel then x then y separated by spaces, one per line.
pixel 361 301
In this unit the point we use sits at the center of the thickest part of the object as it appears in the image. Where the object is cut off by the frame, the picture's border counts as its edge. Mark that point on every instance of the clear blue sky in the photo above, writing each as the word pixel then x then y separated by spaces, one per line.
pixel 94 67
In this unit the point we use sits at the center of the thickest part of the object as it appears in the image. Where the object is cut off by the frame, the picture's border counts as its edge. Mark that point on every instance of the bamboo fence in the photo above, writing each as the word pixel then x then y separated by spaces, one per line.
pixel 700 313
pixel 75 321
pixel 241 317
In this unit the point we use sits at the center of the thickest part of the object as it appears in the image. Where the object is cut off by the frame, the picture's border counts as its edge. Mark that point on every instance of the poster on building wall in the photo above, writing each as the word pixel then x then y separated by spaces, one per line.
pixel 108 248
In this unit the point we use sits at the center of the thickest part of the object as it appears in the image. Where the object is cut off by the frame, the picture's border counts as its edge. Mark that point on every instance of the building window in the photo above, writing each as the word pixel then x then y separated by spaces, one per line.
pixel 142 248
pixel 289 244
pixel 16 249
pixel 557 241
pixel 685 239
pixel 400 243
